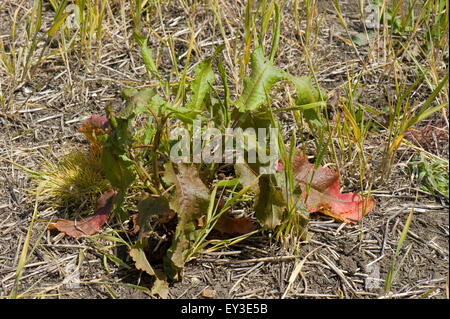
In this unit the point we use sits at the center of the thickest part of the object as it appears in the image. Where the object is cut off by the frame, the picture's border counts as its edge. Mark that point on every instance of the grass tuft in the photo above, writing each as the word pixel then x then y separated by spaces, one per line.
pixel 74 182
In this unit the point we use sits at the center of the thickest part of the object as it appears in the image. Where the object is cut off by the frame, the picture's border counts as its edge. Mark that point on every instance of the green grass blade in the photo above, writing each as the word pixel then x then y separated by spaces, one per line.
pixel 424 111
pixel 276 33
pixel 24 255
pixel 223 76
pixel 57 24
pixel 392 273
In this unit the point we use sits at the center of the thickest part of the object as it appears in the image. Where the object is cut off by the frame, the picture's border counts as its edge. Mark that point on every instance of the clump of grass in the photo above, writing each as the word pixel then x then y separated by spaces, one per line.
pixel 431 174
pixel 74 181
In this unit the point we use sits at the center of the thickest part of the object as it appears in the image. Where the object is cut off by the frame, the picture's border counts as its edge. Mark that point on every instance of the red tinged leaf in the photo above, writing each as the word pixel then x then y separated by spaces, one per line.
pixel 190 201
pixel 95 123
pixel 325 196
pixel 151 206
pixel 92 224
pixel 95 129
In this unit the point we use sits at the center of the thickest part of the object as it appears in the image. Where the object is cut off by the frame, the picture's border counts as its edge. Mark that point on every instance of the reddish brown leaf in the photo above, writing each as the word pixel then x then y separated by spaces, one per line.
pixel 325 196
pixel 91 224
pixel 234 226
pixel 228 225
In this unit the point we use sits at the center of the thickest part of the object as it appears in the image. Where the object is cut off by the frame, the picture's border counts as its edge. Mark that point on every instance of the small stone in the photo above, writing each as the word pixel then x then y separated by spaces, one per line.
pixel 208 293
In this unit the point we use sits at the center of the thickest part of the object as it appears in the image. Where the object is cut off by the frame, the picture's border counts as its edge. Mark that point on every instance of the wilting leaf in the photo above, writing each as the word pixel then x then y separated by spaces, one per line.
pixel 262 78
pixel 208 293
pixel 95 123
pixel 228 225
pixel 140 260
pixel 191 195
pixel 190 201
pixel 325 196
pixel 160 286
pixel 247 176
pixel 92 224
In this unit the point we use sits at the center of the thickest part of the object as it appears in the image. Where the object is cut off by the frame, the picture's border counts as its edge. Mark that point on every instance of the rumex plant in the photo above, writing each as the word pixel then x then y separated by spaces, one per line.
pixel 185 197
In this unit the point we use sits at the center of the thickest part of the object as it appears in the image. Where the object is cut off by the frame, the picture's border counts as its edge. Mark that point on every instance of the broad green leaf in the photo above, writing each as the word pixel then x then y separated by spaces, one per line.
pixel 263 77
pixel 307 94
pixel 203 80
pixel 116 165
pixel 185 115
pixel 138 101
pixel 148 207
pixel 147 54
pixel 118 169
pixel 269 203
